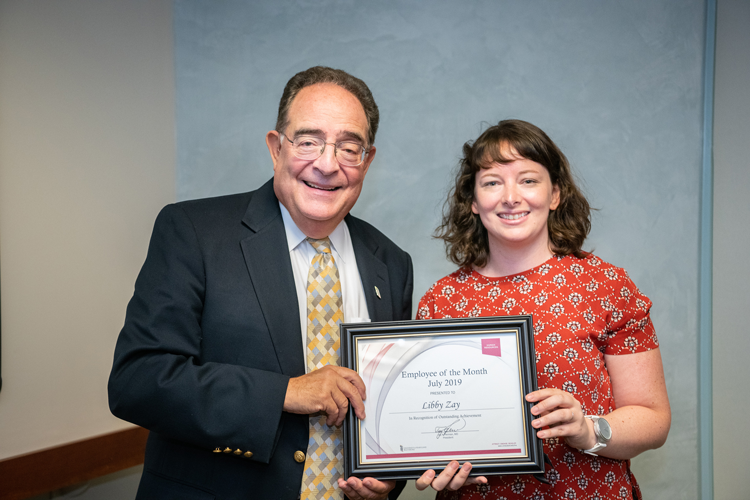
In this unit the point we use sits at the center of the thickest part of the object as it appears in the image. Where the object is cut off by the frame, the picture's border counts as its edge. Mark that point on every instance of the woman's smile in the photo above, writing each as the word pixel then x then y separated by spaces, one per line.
pixel 513 216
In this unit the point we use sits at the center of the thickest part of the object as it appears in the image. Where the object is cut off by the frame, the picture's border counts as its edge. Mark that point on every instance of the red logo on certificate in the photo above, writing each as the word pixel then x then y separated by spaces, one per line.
pixel 491 347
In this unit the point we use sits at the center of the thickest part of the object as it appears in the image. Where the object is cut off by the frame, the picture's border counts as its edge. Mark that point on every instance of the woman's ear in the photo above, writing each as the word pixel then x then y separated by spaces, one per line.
pixel 555 197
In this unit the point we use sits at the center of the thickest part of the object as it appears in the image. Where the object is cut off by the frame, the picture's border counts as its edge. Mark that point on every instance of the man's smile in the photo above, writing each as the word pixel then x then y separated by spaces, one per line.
pixel 323 188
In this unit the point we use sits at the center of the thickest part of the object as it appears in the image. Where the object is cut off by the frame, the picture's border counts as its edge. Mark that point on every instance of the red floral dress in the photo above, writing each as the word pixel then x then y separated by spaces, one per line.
pixel 582 310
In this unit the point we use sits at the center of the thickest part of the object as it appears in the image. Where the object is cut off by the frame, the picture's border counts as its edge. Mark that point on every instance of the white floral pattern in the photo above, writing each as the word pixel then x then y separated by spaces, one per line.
pixel 583 309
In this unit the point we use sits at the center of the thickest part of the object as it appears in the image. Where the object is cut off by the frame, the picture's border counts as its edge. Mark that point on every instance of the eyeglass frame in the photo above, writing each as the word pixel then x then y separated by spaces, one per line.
pixel 365 151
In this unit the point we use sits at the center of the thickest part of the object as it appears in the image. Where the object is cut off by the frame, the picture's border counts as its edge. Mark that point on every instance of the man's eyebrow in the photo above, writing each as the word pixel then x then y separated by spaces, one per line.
pixel 352 136
pixel 308 131
pixel 343 136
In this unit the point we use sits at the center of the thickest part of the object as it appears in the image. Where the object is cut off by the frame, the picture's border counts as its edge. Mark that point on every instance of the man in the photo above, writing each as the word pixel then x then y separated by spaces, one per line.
pixel 216 354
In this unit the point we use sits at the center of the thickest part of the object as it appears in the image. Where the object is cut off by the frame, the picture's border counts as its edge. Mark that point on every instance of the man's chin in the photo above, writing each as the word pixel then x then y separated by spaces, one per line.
pixel 324 216
pixel 319 222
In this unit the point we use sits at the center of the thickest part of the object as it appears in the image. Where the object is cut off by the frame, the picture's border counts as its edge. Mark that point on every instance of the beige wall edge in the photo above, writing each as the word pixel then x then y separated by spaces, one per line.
pixel 87 158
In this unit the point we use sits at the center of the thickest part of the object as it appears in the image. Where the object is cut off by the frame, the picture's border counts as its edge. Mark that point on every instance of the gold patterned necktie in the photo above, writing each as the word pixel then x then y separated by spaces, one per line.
pixel 325 310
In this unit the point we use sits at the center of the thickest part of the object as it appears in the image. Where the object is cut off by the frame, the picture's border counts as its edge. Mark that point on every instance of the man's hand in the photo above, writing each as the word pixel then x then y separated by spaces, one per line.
pixel 328 390
pixel 367 488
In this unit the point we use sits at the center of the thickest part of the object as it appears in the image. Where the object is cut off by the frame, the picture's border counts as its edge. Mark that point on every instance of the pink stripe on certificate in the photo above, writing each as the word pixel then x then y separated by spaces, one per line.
pixel 444 453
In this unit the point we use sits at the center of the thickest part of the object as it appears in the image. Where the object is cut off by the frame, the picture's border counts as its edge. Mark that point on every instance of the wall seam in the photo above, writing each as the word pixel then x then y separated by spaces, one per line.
pixel 705 362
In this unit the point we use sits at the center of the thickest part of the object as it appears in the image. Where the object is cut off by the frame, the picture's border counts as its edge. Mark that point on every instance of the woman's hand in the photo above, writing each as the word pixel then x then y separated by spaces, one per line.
pixel 366 489
pixel 452 478
pixel 562 414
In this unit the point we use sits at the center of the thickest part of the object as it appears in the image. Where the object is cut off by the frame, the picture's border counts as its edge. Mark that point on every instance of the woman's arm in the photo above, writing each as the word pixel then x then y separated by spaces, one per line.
pixel 641 421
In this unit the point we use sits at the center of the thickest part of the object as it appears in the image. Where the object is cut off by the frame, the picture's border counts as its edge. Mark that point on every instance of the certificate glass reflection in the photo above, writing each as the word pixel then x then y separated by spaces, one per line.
pixel 428 398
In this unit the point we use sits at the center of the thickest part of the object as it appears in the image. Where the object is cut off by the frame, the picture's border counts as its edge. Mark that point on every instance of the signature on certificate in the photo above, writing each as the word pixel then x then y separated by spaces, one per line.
pixel 452 427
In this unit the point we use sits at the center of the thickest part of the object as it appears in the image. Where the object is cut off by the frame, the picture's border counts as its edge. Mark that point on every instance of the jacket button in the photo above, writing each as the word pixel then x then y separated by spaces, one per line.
pixel 299 456
pixel 238 452
pixel 227 450
pixel 248 454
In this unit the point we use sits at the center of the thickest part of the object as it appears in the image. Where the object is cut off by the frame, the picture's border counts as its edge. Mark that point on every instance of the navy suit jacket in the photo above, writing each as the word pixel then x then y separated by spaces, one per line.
pixel 211 338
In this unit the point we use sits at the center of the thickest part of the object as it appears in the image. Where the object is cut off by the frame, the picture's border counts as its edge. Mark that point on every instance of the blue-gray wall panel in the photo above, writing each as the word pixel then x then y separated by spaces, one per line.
pixel 618 85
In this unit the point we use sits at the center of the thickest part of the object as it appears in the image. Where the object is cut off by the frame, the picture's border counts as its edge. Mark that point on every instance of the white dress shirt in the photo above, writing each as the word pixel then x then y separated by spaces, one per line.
pixel 302 253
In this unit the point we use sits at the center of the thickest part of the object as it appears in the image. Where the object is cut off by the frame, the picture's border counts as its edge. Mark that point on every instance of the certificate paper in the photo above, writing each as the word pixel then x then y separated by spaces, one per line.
pixel 439 391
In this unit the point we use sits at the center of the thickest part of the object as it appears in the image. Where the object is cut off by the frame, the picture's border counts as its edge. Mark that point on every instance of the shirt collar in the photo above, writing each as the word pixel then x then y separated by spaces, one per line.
pixel 295 236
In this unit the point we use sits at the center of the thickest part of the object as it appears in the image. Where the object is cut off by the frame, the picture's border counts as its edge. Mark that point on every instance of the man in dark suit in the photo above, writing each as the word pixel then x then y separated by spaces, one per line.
pixel 211 358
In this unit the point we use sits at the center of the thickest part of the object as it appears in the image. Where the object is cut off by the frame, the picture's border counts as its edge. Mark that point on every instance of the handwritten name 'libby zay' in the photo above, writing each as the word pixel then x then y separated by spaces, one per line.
pixel 440 405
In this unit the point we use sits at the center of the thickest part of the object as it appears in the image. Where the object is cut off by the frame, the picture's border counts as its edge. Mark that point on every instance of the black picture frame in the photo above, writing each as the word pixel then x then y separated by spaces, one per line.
pixel 522 326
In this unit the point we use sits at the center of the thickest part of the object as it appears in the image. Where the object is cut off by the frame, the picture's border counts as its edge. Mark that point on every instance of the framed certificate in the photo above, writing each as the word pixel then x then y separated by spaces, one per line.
pixel 442 390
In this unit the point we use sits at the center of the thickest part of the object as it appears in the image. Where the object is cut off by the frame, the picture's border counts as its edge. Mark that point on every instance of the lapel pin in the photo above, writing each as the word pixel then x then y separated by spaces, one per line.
pixel 377 292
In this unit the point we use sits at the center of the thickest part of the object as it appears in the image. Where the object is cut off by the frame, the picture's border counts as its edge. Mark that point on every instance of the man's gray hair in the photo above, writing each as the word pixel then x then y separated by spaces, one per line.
pixel 323 74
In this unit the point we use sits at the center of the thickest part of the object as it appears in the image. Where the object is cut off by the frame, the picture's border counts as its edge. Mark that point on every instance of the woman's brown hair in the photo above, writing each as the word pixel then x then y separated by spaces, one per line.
pixel 464 234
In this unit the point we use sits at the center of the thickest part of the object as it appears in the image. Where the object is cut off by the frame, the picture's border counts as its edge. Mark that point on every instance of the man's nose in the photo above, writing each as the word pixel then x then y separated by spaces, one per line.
pixel 327 163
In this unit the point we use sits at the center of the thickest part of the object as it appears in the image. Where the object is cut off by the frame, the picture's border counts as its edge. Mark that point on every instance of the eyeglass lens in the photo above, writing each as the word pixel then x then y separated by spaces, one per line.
pixel 311 148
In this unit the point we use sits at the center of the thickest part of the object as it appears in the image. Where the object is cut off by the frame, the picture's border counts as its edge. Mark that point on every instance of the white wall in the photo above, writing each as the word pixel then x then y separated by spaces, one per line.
pixel 86 160
pixel 731 281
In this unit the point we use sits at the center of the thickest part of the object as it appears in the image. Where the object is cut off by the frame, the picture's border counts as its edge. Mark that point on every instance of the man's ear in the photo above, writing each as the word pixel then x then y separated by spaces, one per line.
pixel 273 141
pixel 368 159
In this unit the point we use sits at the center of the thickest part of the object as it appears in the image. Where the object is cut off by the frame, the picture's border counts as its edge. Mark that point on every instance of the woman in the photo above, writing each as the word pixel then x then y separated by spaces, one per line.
pixel 515 225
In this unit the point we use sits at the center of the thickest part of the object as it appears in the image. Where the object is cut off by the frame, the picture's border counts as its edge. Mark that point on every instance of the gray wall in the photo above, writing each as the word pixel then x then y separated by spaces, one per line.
pixel 731 285
pixel 618 85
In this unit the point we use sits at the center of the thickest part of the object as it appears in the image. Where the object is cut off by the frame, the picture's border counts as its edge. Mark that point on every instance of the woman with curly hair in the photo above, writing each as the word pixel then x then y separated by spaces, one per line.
pixel 515 224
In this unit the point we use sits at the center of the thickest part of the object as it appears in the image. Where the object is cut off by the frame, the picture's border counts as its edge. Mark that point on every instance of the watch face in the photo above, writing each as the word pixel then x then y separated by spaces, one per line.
pixel 605 431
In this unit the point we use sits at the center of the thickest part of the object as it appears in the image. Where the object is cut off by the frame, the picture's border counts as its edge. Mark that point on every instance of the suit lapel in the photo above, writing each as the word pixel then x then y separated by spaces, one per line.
pixel 270 269
pixel 372 271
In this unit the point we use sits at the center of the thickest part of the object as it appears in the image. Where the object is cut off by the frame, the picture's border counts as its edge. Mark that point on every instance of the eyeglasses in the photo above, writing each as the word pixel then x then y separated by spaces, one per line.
pixel 348 153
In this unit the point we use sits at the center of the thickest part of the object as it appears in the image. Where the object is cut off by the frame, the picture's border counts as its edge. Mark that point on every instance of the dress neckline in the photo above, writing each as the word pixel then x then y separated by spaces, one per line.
pixel 534 270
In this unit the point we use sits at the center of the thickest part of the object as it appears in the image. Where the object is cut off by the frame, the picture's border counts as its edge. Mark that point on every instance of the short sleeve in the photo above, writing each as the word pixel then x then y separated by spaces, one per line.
pixel 426 304
pixel 629 326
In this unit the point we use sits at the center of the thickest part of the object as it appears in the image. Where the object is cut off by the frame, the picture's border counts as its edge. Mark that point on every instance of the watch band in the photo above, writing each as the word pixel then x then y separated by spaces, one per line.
pixel 601 440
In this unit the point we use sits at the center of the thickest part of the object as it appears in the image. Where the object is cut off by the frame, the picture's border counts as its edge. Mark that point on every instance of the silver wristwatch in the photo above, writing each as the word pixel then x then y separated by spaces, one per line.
pixel 603 433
